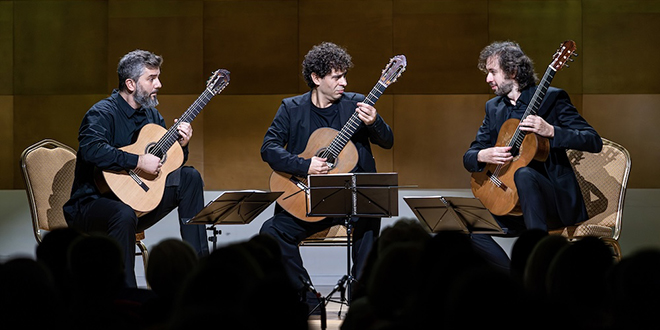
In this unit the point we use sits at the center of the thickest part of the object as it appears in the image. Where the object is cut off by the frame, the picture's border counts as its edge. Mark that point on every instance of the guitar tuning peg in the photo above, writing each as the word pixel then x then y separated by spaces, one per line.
pixel 566 65
pixel 575 54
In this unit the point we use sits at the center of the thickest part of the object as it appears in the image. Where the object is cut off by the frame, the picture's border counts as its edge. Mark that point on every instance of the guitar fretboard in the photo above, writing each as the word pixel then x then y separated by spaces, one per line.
pixel 532 108
pixel 353 123
pixel 172 135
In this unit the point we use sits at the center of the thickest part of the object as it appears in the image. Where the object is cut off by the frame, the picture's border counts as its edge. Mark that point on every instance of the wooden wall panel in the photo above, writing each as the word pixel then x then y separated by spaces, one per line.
pixel 6 47
pixel 257 41
pixel 60 47
pixel 621 46
pixel 432 134
pixel 442 41
pixel 365 31
pixel 630 120
pixel 172 29
pixel 37 117
pixel 51 54
pixel 540 27
pixel 8 162
pixel 385 157
pixel 234 127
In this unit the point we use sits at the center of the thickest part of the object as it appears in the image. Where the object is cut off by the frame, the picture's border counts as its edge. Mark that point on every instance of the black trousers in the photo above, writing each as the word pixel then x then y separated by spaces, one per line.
pixel 289 231
pixel 539 208
pixel 184 189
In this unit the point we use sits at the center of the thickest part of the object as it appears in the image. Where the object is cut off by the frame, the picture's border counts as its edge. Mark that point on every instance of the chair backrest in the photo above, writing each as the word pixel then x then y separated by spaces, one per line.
pixel 603 178
pixel 48 170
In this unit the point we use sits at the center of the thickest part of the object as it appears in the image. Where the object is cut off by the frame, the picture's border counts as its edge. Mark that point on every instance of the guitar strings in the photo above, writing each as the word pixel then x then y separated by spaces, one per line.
pixel 344 135
pixel 164 144
pixel 519 135
pixel 171 135
pixel 537 99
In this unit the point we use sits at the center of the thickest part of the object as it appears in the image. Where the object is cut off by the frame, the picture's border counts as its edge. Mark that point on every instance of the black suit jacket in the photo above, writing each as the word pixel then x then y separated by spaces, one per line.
pixel 571 132
pixel 289 133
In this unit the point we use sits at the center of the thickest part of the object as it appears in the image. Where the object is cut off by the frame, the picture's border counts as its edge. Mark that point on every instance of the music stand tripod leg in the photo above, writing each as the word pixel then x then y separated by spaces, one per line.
pixel 345 282
pixel 350 279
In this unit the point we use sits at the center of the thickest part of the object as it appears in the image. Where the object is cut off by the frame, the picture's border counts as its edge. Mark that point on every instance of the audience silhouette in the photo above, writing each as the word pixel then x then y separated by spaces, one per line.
pixel 100 295
pixel 237 283
pixel 380 300
pixel 521 250
pixel 170 263
pixel 634 285
pixel 538 263
pixel 412 280
pixel 27 288
pixel 53 252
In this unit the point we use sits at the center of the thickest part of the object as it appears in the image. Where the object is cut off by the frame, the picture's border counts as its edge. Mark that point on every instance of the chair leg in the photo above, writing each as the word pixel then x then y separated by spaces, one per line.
pixel 143 252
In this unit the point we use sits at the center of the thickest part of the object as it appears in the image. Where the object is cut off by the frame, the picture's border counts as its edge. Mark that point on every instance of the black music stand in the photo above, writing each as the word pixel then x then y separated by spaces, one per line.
pixel 351 195
pixel 233 208
pixel 463 214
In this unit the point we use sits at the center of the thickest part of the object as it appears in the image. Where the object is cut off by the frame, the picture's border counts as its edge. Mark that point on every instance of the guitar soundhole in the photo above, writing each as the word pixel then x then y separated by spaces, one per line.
pixel 151 149
pixel 332 162
pixel 330 159
pixel 515 152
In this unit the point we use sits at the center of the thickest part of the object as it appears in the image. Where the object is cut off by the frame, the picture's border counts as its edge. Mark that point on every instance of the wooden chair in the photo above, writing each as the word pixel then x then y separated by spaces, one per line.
pixel 48 170
pixel 603 178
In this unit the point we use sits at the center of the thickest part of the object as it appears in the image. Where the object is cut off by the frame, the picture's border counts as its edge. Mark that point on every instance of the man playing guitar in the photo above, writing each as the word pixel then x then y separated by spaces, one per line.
pixel 549 194
pixel 327 104
pixel 113 123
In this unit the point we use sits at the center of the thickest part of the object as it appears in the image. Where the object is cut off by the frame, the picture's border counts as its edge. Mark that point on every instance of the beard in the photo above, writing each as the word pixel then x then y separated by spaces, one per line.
pixel 145 99
pixel 504 89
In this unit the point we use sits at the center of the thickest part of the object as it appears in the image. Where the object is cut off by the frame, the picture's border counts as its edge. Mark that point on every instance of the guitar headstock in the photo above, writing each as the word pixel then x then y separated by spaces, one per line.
pixel 564 54
pixel 218 81
pixel 393 70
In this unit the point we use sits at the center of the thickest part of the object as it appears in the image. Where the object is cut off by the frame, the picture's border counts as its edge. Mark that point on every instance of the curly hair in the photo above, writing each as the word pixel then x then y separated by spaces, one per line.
pixel 512 61
pixel 132 65
pixel 322 59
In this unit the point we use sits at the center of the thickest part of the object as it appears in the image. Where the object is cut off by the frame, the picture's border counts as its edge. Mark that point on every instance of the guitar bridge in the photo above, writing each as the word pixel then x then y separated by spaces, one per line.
pixel 301 184
pixel 139 181
pixel 496 181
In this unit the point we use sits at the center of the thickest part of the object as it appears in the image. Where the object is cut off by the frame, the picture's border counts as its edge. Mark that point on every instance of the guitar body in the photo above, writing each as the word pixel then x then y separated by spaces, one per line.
pixel 502 198
pixel 294 198
pixel 142 198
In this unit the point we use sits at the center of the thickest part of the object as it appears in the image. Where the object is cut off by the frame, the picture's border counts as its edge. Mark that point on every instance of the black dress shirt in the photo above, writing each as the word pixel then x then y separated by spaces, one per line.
pixel 108 125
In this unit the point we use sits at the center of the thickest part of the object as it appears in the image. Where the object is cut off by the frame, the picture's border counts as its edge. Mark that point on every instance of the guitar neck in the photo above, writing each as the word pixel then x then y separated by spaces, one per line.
pixel 534 105
pixel 172 135
pixel 340 141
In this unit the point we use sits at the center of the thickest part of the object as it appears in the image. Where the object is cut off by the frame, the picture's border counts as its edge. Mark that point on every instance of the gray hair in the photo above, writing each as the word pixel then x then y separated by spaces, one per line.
pixel 132 65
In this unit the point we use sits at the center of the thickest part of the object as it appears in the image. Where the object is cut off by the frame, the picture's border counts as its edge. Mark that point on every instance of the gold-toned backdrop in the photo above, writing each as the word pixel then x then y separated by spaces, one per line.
pixel 57 58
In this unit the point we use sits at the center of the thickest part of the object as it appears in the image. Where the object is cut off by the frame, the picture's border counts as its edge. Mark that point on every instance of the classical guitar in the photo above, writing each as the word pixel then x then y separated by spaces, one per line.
pixel 143 191
pixel 494 186
pixel 335 146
